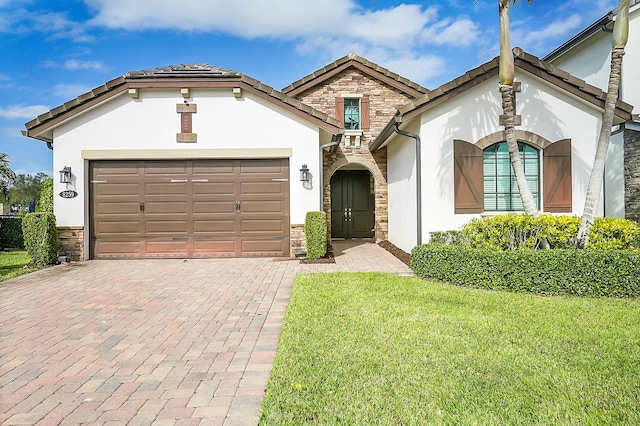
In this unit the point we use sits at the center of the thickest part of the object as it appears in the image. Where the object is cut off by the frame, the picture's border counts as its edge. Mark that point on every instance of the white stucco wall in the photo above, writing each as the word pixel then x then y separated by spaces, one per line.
pixel 401 180
pixel 591 60
pixel 151 123
pixel 545 110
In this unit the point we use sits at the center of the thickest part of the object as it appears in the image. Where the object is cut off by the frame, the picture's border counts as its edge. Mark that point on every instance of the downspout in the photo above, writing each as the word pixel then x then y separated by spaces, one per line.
pixel 335 140
pixel 418 179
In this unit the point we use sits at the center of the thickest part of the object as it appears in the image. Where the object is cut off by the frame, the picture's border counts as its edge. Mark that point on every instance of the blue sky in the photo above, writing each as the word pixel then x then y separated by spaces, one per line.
pixel 53 51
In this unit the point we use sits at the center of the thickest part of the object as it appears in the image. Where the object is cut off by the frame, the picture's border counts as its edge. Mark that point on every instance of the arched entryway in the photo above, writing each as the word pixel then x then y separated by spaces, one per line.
pixel 352 203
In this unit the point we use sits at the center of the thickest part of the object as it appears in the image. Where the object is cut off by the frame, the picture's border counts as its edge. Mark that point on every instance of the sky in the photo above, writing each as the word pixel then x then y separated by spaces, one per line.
pixel 54 51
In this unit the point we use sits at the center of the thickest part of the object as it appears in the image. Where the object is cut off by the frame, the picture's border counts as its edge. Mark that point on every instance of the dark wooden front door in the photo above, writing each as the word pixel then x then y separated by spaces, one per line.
pixel 352 204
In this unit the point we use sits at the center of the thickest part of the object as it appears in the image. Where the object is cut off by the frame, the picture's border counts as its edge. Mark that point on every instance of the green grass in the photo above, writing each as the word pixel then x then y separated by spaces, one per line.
pixel 362 349
pixel 12 264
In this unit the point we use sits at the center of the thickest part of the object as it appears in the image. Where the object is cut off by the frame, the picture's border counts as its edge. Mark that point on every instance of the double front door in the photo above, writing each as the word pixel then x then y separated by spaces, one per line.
pixel 352 204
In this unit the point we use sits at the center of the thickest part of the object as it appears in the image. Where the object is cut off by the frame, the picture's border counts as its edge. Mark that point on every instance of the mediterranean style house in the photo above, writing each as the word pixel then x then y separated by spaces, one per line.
pixel 201 161
pixel 587 56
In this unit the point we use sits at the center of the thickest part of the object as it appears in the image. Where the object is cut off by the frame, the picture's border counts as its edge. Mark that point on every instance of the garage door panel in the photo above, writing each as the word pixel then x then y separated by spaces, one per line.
pixel 173 248
pixel 139 212
pixel 166 227
pixel 119 190
pixel 263 247
pixel 263 207
pixel 118 249
pixel 120 227
pixel 214 207
pixel 165 189
pixel 226 226
pixel 130 209
pixel 177 169
pixel 152 208
pixel 204 248
pixel 263 225
pixel 264 167
pixel 213 188
pixel 253 188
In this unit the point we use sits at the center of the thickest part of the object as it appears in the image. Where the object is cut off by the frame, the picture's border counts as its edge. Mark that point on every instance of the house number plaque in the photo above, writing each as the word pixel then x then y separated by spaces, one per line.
pixel 68 194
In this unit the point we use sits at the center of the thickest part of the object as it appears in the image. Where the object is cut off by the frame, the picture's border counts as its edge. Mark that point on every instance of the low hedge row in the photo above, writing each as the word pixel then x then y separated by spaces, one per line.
pixel 11 232
pixel 593 273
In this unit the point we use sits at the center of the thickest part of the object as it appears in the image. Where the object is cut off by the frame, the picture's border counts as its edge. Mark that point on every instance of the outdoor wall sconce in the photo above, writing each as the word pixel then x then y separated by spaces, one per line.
pixel 304 174
pixel 65 175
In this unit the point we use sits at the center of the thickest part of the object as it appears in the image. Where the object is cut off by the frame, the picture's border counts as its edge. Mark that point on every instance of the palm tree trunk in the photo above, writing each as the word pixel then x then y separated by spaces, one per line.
pixel 597 172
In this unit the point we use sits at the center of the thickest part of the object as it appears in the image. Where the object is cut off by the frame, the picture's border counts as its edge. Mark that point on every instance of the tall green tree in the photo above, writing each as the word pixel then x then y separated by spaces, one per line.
pixel 6 174
pixel 619 41
pixel 26 188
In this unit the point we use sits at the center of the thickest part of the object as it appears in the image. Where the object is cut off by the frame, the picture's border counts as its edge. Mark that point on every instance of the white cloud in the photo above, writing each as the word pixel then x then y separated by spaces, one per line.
pixel 16 112
pixel 76 64
pixel 557 29
pixel 462 32
pixel 18 20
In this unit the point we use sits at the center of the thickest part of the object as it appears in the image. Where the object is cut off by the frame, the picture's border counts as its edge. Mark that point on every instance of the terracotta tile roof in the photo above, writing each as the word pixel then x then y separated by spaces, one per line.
pixel 186 75
pixel 471 78
pixel 364 65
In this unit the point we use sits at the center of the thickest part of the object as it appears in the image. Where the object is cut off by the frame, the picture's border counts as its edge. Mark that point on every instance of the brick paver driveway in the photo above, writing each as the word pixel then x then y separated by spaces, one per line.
pixel 150 341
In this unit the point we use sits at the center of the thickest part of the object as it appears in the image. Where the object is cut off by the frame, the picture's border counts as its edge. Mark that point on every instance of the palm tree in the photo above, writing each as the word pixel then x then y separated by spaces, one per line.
pixel 6 174
pixel 507 74
pixel 619 41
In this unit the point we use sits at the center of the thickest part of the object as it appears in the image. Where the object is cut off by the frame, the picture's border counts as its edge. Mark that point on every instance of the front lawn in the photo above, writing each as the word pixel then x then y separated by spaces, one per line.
pixel 376 348
pixel 12 264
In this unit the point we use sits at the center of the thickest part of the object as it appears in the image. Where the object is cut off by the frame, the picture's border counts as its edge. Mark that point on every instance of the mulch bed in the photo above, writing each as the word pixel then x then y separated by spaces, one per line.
pixel 397 252
pixel 327 258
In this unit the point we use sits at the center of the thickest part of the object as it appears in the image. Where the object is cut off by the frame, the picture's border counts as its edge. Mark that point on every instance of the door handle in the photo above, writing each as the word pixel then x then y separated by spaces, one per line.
pixel 349 214
pixel 346 214
pixel 142 207
pixel 237 206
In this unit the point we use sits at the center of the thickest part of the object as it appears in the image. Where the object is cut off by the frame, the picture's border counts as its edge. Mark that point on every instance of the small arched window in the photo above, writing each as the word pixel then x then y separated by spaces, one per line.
pixel 499 181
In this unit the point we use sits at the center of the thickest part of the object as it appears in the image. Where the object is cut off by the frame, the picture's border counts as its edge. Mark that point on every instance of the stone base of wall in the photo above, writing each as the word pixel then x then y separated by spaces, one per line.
pixel 71 241
pixel 632 174
pixel 297 239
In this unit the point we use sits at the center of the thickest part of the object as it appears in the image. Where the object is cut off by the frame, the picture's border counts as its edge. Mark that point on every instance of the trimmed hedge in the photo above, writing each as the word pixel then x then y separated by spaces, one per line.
pixel 594 273
pixel 315 232
pixel 41 238
pixel 11 232
pixel 521 231
pixel 46 196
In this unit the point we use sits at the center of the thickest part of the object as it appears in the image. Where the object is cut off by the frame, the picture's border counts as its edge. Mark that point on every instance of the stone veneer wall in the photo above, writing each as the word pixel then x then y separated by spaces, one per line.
pixel 632 174
pixel 383 103
pixel 71 242
pixel 297 239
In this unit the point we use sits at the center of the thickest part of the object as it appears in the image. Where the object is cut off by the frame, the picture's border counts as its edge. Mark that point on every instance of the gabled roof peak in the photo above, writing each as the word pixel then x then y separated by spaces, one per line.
pixel 364 65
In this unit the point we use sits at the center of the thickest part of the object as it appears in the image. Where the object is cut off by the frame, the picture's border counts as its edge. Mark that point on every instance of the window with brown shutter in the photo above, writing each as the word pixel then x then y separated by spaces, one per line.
pixel 467 177
pixel 557 177
pixel 340 109
pixel 364 113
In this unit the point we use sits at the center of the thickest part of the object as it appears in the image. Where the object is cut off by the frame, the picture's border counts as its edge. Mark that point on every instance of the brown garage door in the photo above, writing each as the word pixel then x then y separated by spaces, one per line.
pixel 199 208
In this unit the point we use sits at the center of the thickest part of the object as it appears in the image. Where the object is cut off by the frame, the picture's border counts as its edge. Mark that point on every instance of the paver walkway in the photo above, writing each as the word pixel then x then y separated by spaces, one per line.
pixel 144 342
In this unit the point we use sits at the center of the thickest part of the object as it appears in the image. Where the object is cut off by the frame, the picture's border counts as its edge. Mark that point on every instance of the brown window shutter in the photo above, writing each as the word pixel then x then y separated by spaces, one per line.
pixel 467 177
pixel 364 113
pixel 557 190
pixel 340 110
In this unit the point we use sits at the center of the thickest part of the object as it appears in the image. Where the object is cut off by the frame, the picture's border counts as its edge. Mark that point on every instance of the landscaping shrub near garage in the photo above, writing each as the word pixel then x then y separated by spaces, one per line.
pixel 11 232
pixel 315 231
pixel 595 273
pixel 41 238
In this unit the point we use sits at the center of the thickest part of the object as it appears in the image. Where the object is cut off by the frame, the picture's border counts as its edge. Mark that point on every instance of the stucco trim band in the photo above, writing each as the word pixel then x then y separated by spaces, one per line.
pixel 172 154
